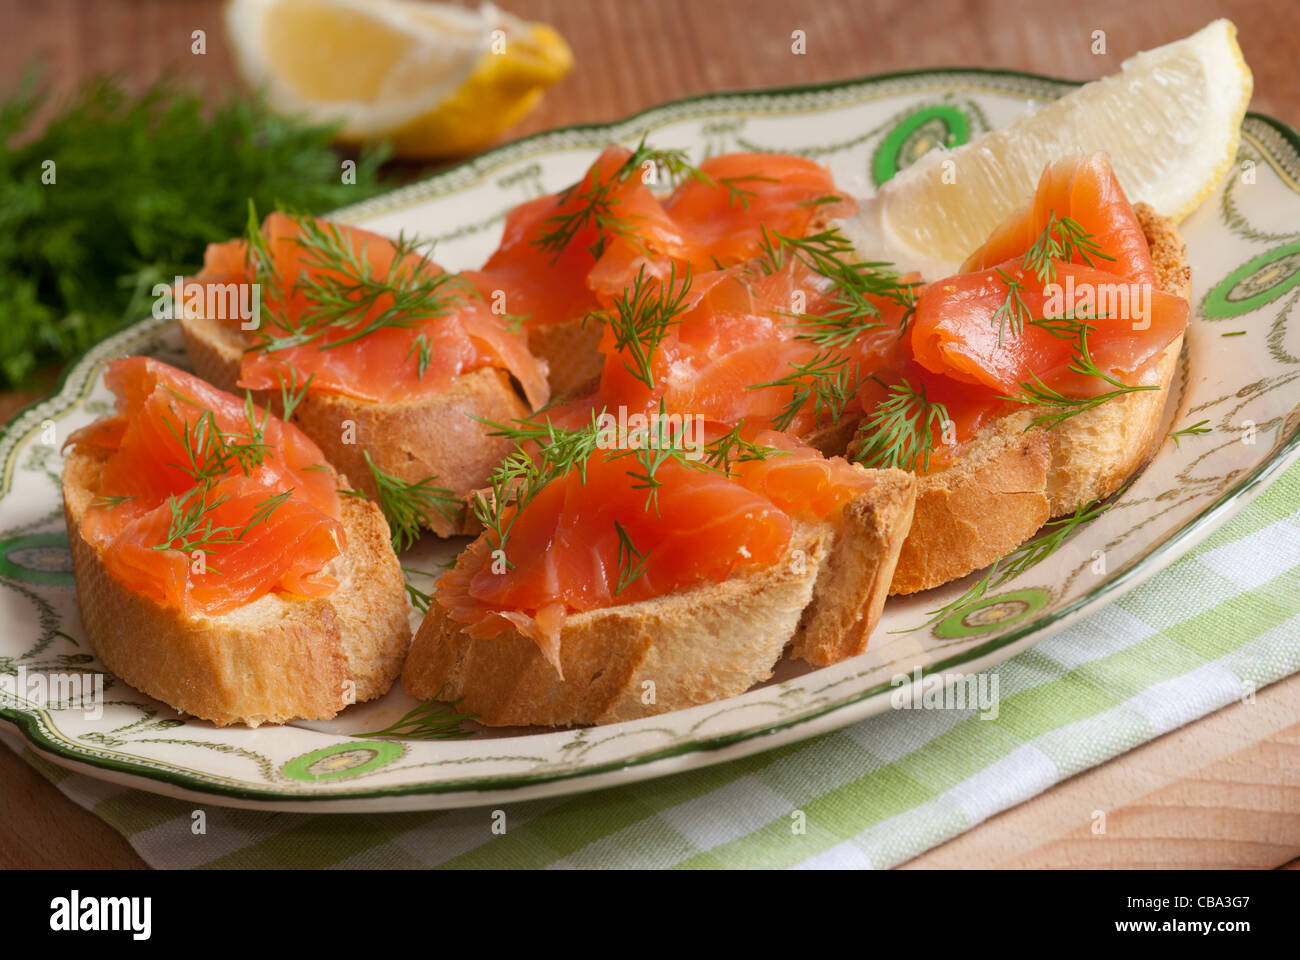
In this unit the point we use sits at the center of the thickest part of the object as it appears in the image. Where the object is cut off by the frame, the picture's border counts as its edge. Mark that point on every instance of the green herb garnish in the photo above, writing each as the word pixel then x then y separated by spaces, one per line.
pixel 409 505
pixel 141 184
pixel 1040 394
pixel 900 430
pixel 431 720
pixel 826 380
pixel 1199 427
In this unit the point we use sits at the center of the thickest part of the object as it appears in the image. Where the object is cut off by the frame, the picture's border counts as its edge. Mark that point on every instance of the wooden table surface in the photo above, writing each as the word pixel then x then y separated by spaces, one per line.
pixel 1224 791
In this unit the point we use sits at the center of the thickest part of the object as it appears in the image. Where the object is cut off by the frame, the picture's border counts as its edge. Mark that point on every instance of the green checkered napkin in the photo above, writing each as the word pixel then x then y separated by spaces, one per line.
pixel 1196 637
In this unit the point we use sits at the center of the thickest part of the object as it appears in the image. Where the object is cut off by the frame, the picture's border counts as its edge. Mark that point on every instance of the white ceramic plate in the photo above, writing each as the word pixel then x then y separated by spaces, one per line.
pixel 1245 253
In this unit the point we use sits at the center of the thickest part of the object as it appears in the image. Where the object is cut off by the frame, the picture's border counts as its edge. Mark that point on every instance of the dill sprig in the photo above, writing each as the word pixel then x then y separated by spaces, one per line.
pixel 730 448
pixel 900 430
pixel 431 720
pixel 409 505
pixel 1010 565
pixel 423 354
pixel 821 201
pixel 292 393
pixel 631 561
pixel 598 202
pixel 1196 429
pixel 419 599
pixel 211 452
pixel 738 195
pixel 1012 312
pixel 1040 394
pixel 104 502
pixel 641 318
pixel 1062 239
pixel 341 289
pixel 191 527
pixel 523 475
pixel 852 285
pixel 827 380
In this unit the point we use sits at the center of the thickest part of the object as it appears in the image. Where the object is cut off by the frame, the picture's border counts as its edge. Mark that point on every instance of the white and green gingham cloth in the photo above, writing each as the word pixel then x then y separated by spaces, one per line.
pixel 1201 634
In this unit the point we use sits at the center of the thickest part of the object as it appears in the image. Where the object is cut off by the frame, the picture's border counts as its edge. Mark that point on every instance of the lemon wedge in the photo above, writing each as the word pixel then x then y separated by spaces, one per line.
pixel 433 79
pixel 1170 120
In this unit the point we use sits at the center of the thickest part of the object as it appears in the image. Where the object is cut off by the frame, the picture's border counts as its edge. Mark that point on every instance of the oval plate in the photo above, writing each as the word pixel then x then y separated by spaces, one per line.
pixel 1245 255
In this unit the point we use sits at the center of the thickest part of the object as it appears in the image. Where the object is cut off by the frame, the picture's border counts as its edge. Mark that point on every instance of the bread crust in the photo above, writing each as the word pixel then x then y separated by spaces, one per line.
pixel 270 661
pixel 571 349
pixel 1012 477
pixel 414 439
pixel 694 646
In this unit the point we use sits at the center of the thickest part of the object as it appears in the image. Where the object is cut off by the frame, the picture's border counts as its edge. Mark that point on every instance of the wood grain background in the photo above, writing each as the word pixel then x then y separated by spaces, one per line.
pixel 1224 791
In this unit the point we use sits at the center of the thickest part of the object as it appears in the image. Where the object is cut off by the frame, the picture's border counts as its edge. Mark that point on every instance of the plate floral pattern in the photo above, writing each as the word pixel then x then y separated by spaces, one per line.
pixel 1238 372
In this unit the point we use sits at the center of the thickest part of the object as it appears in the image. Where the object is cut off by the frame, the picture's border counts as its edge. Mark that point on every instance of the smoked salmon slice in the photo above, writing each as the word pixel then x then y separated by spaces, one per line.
pixel 1075 255
pixel 204 502
pixel 569 254
pixel 363 315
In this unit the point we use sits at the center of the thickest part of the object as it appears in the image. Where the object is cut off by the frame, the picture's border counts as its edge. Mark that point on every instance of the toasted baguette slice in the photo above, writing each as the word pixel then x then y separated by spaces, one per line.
pixel 694 646
pixel 571 350
pixel 434 436
pixel 270 661
pixel 1009 480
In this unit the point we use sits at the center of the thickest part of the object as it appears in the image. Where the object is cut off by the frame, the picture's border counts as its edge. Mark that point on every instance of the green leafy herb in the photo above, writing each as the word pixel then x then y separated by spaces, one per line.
pixel 212 452
pixel 343 293
pixel 1013 311
pixel 900 430
pixel 521 476
pixel 431 720
pixel 419 599
pixel 1063 407
pixel 103 502
pixel 598 202
pixel 140 186
pixel 631 561
pixel 409 505
pixel 641 318
pixel 821 201
pixel 739 196
pixel 192 529
pixel 852 285
pixel 1199 427
pixel 424 355
pixel 729 449
pixel 827 380
pixel 1053 534
pixel 291 393
pixel 1062 239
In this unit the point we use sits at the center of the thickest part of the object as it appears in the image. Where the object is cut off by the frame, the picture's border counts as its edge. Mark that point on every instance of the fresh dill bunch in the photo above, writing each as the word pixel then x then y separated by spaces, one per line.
pixel 141 184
